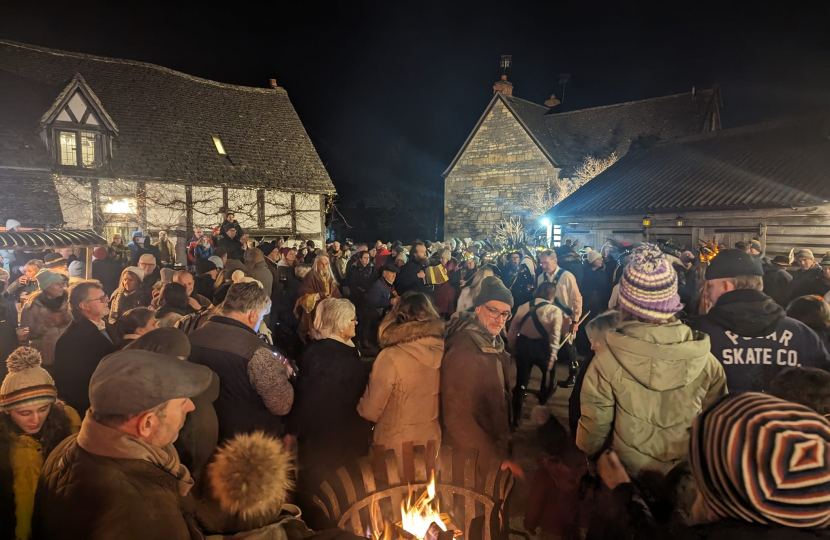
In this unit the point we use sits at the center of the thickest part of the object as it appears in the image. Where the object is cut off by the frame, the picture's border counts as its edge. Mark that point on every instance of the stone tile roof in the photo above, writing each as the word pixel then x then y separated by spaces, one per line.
pixel 567 138
pixel 770 165
pixel 29 197
pixel 166 121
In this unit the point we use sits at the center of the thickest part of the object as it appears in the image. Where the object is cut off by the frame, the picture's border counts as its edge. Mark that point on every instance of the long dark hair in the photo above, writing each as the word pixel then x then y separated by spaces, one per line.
pixel 55 429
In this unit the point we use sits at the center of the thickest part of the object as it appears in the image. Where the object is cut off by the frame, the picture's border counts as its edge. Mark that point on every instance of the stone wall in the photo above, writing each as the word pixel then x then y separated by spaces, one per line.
pixel 499 166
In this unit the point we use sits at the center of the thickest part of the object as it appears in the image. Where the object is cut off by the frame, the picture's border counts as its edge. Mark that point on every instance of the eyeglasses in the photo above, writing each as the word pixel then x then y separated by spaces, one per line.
pixel 498 313
pixel 103 299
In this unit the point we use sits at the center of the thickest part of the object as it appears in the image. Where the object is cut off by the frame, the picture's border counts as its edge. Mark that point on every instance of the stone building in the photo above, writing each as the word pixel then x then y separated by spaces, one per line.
pixel 519 149
pixel 769 181
pixel 89 142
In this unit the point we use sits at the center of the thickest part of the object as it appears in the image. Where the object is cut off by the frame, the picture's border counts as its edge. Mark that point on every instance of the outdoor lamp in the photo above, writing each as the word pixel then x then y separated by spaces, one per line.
pixel 678 221
pixel 647 221
pixel 545 222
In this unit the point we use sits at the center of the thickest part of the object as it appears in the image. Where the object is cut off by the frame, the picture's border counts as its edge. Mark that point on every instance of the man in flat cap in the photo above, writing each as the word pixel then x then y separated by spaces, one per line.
pixel 750 333
pixel 121 477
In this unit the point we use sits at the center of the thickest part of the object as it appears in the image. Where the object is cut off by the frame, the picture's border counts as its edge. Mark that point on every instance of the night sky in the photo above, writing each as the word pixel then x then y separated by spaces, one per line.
pixel 388 91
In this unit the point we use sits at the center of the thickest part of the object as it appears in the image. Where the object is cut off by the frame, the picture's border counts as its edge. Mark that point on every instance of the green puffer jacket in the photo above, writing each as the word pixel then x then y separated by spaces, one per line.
pixel 648 385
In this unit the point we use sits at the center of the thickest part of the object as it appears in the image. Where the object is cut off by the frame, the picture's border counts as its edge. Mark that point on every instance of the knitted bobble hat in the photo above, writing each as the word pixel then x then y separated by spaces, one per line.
pixel 760 459
pixel 648 287
pixel 27 383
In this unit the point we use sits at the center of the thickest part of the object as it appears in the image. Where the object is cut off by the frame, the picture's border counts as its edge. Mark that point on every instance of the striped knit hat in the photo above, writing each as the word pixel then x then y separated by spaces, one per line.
pixel 27 383
pixel 760 459
pixel 648 287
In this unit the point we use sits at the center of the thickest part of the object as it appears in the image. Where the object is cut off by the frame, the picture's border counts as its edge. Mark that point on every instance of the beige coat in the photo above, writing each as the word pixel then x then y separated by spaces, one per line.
pixel 402 394
pixel 646 388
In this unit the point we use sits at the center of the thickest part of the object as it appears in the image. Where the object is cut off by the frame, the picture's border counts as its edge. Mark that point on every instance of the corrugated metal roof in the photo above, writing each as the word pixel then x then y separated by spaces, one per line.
pixel 50 239
pixel 776 164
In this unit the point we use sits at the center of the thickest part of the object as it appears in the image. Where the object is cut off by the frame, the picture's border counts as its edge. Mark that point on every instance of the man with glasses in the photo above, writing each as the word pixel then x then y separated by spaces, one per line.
pixel 475 392
pixel 85 342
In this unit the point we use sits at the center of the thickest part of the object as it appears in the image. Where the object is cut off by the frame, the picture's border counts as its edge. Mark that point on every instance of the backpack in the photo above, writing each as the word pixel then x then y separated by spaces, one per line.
pixel 190 322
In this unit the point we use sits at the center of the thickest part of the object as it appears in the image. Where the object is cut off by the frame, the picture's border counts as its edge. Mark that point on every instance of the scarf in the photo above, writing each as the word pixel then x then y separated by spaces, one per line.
pixel 53 304
pixel 105 441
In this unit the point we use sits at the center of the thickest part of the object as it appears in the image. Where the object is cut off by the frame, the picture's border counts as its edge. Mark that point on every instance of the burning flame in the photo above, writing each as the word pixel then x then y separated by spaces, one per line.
pixel 418 516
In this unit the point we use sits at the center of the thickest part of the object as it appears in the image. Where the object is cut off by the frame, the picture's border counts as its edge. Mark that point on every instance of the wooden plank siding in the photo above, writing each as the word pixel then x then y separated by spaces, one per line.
pixel 779 229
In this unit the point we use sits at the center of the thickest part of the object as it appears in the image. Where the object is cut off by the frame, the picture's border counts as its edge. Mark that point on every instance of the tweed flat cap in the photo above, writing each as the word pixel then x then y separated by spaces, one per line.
pixel 132 381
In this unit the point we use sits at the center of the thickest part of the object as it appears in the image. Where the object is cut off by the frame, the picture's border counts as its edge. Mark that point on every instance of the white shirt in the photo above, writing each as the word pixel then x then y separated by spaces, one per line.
pixel 551 318
pixel 567 292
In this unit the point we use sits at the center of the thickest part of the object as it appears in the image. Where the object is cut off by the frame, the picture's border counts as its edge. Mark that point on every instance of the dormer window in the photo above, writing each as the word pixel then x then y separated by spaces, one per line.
pixel 79 127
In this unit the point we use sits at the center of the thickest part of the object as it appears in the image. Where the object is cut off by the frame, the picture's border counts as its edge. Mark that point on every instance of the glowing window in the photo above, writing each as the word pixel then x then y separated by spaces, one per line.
pixel 219 146
pixel 69 151
pixel 88 153
pixel 121 206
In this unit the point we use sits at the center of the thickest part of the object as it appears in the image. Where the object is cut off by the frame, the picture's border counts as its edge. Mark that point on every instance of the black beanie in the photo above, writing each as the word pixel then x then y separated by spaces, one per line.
pixel 267 247
pixel 731 263
pixel 203 266
pixel 493 289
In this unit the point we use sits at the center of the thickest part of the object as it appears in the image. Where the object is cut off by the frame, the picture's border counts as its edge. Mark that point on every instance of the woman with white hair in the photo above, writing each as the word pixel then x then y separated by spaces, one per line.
pixel 331 380
pixel 318 285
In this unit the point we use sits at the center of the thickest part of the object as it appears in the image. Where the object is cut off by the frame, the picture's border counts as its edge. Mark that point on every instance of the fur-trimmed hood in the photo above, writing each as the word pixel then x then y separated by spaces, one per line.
pixel 247 484
pixel 395 334
pixel 422 340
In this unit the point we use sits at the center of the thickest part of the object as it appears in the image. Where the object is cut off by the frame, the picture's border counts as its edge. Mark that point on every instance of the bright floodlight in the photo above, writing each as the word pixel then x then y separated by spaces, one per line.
pixel 546 222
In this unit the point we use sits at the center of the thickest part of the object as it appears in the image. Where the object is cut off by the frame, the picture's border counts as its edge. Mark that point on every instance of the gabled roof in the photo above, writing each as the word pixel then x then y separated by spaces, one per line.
pixel 78 84
pixel 166 122
pixel 566 138
pixel 771 165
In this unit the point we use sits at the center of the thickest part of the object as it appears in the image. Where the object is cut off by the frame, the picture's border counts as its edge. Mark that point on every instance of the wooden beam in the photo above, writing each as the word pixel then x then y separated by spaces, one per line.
pixel 293 211
pixel 88 260
pixel 188 198
pixel 260 206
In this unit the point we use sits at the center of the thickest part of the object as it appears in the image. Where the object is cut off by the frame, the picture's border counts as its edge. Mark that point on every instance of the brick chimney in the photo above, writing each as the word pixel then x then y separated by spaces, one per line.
pixel 273 83
pixel 552 102
pixel 504 86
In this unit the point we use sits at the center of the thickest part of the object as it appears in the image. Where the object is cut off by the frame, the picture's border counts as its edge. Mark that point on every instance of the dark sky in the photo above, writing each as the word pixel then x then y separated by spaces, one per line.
pixel 388 91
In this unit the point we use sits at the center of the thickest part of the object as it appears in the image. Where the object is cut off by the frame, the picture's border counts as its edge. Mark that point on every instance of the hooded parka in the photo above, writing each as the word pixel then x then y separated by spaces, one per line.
pixel 402 394
pixel 647 386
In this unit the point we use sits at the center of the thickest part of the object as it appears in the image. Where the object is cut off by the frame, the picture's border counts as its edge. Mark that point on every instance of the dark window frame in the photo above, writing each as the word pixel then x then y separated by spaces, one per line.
pixel 65 127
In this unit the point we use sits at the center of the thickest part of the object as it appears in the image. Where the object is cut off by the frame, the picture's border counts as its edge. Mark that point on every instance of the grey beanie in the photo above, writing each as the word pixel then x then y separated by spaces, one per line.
pixel 493 289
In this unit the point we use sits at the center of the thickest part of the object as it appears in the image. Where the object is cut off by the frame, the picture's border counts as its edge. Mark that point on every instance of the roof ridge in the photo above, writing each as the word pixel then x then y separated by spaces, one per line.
pixel 765 126
pixel 112 60
pixel 623 104
pixel 530 102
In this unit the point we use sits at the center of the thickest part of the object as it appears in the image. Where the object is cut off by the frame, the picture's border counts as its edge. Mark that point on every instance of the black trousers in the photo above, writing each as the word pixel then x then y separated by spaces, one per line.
pixel 529 353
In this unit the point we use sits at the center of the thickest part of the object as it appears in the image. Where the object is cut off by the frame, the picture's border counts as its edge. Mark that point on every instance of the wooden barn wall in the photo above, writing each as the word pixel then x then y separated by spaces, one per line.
pixel 779 230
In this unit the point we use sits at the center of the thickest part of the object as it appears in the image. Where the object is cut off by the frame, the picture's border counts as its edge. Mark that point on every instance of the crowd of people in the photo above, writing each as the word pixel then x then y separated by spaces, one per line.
pixel 164 399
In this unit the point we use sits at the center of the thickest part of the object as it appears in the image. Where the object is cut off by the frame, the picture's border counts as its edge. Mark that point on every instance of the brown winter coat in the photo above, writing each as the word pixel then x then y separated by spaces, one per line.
pixel 475 392
pixel 45 326
pixel 402 394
